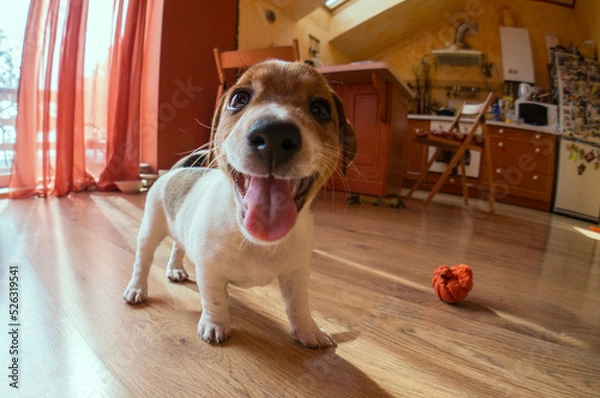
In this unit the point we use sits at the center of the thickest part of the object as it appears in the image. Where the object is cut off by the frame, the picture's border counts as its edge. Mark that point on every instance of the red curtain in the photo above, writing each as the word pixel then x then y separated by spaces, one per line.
pixel 124 109
pixel 77 129
pixel 70 145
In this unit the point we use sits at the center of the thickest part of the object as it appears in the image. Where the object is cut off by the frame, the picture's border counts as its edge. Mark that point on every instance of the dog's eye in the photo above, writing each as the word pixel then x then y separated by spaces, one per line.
pixel 239 100
pixel 321 110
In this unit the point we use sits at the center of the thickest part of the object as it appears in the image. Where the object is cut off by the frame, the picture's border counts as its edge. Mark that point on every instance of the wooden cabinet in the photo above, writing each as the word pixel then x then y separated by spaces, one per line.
pixel 415 154
pixel 523 166
pixel 524 163
pixel 376 103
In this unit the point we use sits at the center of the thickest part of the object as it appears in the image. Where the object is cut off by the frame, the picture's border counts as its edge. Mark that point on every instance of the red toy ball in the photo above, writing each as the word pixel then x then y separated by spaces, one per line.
pixel 452 284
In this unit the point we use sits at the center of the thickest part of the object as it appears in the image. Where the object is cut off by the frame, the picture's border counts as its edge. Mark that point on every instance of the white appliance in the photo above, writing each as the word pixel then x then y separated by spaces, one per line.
pixel 472 163
pixel 517 58
pixel 537 113
pixel 577 82
pixel 578 180
pixel 472 158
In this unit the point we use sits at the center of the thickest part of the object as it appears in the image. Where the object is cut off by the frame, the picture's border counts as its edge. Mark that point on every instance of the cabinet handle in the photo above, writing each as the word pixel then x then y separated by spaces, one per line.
pixel 498 170
pixel 501 131
pixel 452 181
pixel 537 150
pixel 535 177
pixel 538 136
pixel 500 144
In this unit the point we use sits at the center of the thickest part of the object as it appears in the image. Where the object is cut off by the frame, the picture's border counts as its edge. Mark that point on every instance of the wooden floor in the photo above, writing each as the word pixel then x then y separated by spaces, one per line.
pixel 530 327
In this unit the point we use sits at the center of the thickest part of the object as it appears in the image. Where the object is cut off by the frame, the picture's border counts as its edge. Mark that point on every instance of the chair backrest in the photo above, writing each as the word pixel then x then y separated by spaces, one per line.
pixel 473 109
pixel 243 59
pixel 481 108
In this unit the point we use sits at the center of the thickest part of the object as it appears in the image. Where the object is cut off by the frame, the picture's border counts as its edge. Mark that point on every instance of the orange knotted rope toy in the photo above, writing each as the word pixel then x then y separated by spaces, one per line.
pixel 452 284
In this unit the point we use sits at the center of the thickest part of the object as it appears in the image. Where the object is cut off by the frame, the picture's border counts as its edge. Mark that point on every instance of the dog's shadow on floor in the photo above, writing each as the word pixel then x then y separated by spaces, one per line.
pixel 309 372
pixel 262 343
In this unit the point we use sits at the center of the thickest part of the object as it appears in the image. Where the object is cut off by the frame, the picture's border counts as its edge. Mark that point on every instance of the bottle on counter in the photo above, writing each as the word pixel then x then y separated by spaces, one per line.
pixel 496 111
pixel 508 114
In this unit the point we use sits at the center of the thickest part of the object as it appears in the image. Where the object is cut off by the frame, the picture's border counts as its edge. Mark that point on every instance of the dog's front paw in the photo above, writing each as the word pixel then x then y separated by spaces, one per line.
pixel 313 337
pixel 177 275
pixel 213 332
pixel 135 294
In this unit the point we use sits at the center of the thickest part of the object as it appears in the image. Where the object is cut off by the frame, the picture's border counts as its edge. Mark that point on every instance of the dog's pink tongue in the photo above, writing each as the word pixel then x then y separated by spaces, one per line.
pixel 270 208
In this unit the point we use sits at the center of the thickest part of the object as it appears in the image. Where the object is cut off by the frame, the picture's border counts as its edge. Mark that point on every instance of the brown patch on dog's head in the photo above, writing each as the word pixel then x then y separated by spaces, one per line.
pixel 285 83
pixel 292 105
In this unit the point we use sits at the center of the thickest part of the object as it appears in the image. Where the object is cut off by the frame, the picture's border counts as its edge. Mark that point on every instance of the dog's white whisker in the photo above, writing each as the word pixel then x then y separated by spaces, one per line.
pixel 202 124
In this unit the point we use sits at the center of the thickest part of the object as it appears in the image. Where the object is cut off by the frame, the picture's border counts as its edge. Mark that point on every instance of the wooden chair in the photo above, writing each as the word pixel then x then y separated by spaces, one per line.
pixel 457 142
pixel 238 61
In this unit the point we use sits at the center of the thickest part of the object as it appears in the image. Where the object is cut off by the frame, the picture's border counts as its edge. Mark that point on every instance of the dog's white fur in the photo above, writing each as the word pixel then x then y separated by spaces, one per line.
pixel 201 210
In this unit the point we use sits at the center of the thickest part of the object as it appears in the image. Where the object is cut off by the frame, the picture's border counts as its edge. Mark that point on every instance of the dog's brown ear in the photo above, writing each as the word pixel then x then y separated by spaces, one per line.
pixel 347 137
pixel 215 125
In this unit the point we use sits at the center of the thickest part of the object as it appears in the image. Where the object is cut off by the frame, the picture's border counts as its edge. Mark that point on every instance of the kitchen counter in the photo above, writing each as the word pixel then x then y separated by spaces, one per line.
pixel 527 127
pixel 362 72
pixel 523 162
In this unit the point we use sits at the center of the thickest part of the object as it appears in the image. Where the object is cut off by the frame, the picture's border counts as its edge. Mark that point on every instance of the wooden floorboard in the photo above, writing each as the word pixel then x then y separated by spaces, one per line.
pixel 530 327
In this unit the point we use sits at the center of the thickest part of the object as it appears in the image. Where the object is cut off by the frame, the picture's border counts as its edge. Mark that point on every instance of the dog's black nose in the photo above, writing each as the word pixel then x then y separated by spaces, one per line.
pixel 274 141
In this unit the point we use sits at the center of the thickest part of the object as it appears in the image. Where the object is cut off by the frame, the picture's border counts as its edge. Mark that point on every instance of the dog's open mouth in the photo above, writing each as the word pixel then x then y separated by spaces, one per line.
pixel 269 204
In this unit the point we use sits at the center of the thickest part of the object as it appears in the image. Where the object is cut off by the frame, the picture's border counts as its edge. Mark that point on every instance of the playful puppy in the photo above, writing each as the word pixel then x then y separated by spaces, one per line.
pixel 280 133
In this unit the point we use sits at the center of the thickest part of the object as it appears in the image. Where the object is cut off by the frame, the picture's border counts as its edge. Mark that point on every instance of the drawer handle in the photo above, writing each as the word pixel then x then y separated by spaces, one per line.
pixel 452 180
pixel 501 131
pixel 535 177
pixel 538 136
pixel 500 144
pixel 498 170
pixel 537 150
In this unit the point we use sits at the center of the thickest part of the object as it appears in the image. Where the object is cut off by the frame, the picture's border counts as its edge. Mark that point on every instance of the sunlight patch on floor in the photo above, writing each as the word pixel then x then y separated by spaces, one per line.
pixel 588 233
pixel 541 330
pixel 370 270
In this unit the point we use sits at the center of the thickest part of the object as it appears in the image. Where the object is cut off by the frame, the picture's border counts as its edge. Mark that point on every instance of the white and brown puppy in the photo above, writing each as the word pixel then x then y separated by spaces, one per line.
pixel 280 133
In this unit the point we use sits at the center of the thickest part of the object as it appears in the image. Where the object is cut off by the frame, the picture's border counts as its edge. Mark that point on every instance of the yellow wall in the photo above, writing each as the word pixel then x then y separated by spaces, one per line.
pixel 570 25
pixel 539 18
pixel 254 31
pixel 588 13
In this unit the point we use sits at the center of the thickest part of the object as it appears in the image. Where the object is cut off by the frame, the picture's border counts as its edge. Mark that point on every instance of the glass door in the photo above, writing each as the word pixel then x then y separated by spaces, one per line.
pixel 12 30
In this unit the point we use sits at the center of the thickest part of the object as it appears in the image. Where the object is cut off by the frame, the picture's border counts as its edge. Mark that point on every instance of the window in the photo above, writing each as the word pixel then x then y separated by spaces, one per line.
pixel 12 29
pixel 332 4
